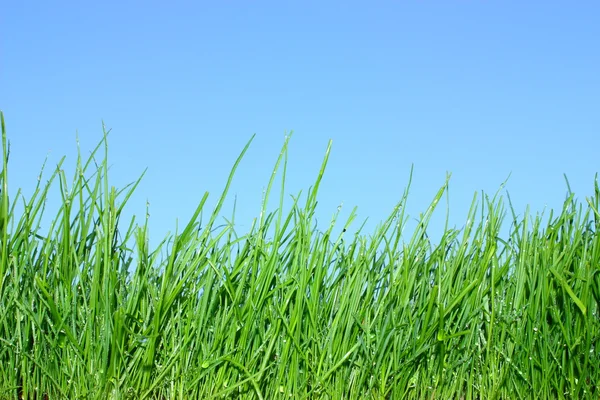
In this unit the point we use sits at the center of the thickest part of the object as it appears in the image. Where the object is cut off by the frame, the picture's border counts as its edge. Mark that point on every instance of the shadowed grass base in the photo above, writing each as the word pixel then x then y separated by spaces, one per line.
pixel 89 311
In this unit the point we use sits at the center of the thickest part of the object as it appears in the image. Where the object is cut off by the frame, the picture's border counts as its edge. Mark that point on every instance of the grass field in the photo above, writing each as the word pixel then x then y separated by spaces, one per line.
pixel 89 311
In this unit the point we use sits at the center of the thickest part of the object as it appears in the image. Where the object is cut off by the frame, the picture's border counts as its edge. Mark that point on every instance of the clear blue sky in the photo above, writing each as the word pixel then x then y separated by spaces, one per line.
pixel 481 89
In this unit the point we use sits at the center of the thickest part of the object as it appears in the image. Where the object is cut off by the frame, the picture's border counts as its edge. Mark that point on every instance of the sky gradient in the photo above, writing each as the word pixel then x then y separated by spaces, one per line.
pixel 480 89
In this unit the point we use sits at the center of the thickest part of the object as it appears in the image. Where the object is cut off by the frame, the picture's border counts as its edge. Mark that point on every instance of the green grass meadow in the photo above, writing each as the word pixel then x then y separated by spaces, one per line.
pixel 285 311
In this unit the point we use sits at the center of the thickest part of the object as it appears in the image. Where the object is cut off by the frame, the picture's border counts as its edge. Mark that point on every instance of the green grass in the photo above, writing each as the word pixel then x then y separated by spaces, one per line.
pixel 88 310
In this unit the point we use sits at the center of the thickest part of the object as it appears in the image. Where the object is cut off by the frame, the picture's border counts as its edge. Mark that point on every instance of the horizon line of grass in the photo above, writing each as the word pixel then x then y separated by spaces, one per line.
pixel 89 311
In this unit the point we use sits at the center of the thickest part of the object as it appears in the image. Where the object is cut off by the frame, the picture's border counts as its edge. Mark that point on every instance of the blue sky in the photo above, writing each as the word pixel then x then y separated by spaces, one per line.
pixel 481 89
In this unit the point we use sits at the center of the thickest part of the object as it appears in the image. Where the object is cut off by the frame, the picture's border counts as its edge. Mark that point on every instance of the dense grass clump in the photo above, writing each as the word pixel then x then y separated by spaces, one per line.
pixel 88 310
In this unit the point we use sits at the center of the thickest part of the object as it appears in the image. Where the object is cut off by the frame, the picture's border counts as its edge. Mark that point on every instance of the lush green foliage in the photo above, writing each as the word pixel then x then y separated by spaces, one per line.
pixel 87 310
